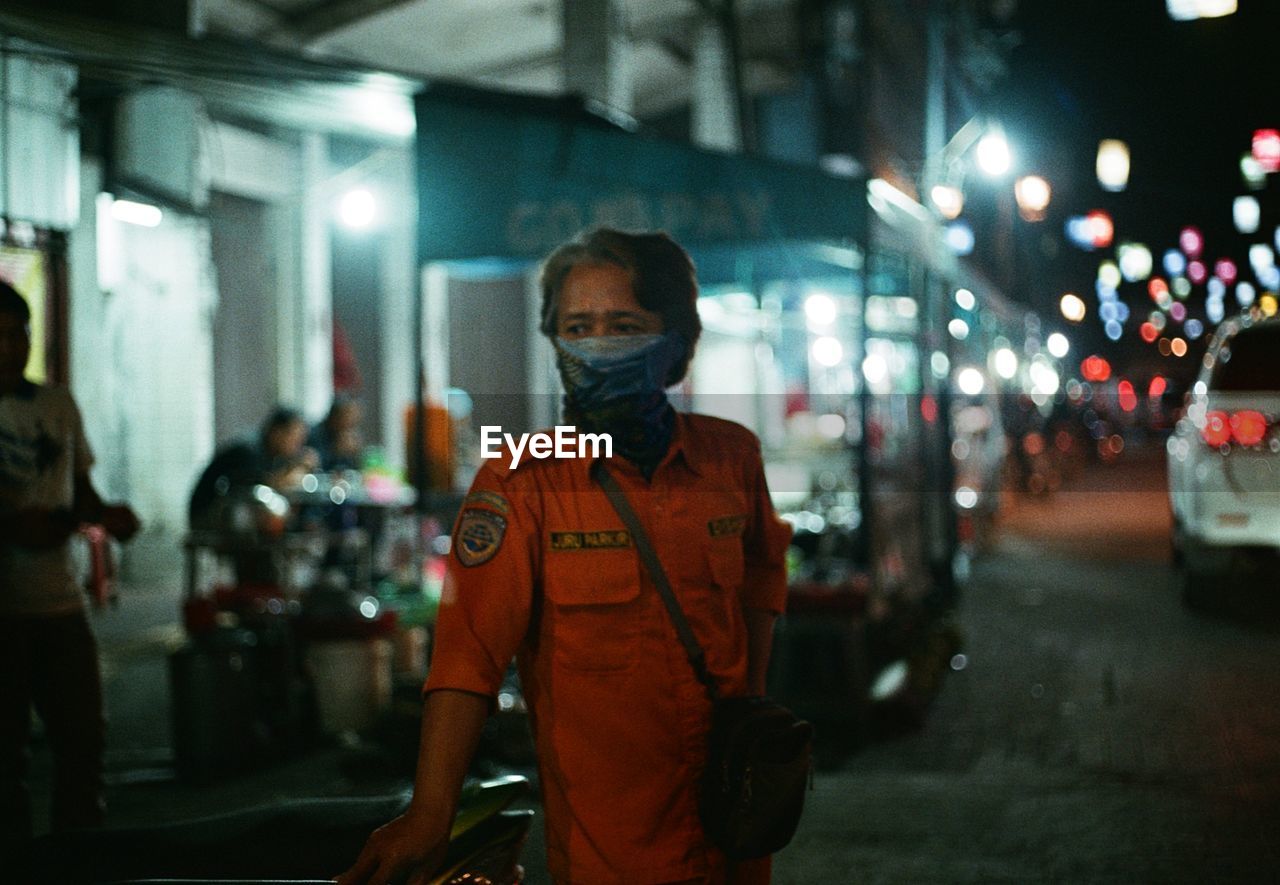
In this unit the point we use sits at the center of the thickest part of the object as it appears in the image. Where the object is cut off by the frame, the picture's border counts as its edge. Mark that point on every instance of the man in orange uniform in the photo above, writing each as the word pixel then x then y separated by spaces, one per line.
pixel 544 570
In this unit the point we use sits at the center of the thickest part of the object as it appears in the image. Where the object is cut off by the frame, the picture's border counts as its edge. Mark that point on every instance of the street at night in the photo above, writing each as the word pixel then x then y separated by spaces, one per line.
pixel 551 441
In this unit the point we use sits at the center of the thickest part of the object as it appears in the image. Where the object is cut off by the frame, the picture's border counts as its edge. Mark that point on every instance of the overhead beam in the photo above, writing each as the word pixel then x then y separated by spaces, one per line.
pixel 320 21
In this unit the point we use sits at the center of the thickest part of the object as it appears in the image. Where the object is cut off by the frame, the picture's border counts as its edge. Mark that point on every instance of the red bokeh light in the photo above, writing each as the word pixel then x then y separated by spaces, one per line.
pixel 1157 387
pixel 1191 241
pixel 1101 228
pixel 1127 395
pixel 1217 429
pixel 928 408
pixel 1225 270
pixel 1095 368
pixel 1248 427
pixel 1266 149
pixel 1148 332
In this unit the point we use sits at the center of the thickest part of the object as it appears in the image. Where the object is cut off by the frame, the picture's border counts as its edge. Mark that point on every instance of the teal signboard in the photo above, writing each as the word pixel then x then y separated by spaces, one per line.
pixel 500 176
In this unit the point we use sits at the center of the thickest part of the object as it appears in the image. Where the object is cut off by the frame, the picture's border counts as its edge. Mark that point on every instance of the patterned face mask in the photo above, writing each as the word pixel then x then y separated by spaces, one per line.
pixel 616 384
pixel 600 370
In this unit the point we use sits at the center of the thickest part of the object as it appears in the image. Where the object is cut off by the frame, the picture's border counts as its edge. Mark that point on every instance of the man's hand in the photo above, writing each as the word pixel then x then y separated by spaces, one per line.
pixel 412 845
pixel 40 528
pixel 119 521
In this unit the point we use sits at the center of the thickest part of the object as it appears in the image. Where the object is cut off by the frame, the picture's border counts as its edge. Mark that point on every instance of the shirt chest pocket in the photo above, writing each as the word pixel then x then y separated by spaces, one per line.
pixel 592 620
pixel 725 566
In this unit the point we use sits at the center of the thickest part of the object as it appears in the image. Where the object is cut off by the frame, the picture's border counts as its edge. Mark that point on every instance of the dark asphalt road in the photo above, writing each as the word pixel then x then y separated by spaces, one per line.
pixel 1099 732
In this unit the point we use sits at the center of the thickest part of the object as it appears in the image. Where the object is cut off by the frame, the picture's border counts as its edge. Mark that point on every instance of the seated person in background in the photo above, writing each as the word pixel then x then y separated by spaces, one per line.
pixel 337 440
pixel 276 458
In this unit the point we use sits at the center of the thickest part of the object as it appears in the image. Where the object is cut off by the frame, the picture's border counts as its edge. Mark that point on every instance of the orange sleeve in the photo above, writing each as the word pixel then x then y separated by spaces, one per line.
pixel 488 587
pixel 765 544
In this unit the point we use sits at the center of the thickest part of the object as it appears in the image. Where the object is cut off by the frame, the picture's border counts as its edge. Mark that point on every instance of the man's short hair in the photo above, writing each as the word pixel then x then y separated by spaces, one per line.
pixel 281 417
pixel 662 278
pixel 12 303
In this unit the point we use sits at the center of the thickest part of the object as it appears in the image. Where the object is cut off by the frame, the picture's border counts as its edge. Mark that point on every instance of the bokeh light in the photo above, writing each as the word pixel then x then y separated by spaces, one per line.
pixel 1246 213
pixel 1175 263
pixel 1006 363
pixel 1112 164
pixel 1072 307
pixel 827 351
pixel 993 154
pixel 1191 241
pixel 1032 194
pixel 1095 368
pixel 948 199
pixel 1225 269
pixel 1266 149
pixel 959 237
pixel 971 381
pixel 1135 261
pixel 820 309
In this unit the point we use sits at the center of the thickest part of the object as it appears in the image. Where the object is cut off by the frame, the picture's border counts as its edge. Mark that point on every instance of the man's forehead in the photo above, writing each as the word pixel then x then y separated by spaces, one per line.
pixel 593 310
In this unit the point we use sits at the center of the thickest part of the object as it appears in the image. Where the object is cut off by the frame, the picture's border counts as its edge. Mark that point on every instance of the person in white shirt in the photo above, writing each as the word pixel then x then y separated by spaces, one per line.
pixel 48 656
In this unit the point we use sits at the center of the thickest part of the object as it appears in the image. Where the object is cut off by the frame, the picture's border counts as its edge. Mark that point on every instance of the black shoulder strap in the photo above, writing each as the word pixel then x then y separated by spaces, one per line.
pixel 697 658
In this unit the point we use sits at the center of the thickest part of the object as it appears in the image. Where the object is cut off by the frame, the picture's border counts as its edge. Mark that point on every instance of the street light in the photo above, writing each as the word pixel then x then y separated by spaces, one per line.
pixel 949 199
pixel 357 209
pixel 1033 194
pixel 994 157
pixel 1189 10
pixel 1113 164
pixel 1072 307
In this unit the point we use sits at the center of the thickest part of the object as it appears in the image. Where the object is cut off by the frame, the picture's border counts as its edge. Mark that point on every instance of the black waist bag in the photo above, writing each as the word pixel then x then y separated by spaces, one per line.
pixel 758 755
pixel 758 768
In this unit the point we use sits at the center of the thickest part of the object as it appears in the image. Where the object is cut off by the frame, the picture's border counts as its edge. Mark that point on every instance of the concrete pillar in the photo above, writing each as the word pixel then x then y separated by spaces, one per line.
pixel 597 52
pixel 398 384
pixel 309 337
pixel 715 110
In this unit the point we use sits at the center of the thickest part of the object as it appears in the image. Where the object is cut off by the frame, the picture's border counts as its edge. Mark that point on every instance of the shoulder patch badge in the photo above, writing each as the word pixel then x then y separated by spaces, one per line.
pixel 479 536
pixel 727 525
pixel 486 498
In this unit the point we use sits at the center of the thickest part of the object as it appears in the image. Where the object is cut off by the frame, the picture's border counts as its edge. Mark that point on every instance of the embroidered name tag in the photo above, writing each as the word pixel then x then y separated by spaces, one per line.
pixel 590 540
pixel 727 525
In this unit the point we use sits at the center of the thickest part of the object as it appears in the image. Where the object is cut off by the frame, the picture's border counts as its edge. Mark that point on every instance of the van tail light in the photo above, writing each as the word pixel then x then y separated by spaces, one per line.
pixel 1246 427
pixel 1217 429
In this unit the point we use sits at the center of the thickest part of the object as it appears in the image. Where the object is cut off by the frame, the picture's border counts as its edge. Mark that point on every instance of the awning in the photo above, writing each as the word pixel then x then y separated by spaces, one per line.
pixel 503 176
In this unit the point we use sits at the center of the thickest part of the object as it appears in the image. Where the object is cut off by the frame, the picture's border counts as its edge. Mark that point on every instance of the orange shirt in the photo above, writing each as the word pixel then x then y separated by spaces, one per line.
pixel 554 579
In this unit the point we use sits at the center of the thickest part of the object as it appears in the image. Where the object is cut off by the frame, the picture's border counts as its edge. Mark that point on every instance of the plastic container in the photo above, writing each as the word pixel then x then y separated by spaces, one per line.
pixel 352 681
